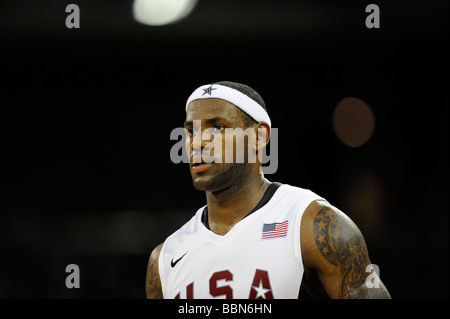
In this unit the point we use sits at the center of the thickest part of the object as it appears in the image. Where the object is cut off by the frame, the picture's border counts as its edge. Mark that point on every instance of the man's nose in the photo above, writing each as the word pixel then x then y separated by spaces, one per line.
pixel 203 137
pixel 197 141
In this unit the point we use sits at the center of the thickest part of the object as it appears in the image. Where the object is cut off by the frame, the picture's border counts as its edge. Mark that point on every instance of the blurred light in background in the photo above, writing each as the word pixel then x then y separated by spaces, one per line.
pixel 161 12
pixel 353 122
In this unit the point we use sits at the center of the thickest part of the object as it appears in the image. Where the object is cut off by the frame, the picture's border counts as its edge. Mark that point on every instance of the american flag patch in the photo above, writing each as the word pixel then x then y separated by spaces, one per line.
pixel 275 230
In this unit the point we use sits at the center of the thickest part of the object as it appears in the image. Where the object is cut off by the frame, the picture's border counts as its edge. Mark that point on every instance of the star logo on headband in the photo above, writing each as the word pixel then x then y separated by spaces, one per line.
pixel 208 90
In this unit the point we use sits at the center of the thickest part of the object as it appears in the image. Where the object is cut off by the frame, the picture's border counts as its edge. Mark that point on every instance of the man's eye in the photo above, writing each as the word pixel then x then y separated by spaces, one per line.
pixel 219 127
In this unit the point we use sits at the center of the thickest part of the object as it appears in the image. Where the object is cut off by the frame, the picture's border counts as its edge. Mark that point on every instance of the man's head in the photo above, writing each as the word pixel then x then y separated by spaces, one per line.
pixel 212 112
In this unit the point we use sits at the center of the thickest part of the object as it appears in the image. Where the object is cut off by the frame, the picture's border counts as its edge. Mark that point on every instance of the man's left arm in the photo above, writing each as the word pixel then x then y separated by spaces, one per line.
pixel 334 248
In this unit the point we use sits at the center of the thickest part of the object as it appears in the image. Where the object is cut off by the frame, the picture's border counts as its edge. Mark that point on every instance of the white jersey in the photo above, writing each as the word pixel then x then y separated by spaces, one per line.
pixel 260 257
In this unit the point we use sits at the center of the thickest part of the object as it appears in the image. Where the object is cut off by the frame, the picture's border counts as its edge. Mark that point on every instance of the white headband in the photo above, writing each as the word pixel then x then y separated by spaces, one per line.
pixel 242 101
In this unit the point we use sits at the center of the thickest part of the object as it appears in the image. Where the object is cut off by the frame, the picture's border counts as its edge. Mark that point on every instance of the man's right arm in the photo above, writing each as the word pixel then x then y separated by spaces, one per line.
pixel 153 288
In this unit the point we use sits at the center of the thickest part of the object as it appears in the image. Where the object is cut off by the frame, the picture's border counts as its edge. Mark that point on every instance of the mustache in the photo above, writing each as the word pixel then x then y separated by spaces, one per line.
pixel 203 157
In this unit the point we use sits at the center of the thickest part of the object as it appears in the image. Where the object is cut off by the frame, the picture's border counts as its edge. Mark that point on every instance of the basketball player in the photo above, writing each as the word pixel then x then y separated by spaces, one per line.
pixel 255 238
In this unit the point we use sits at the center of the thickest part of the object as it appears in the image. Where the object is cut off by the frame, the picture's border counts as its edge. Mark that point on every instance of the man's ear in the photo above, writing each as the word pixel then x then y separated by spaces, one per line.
pixel 263 136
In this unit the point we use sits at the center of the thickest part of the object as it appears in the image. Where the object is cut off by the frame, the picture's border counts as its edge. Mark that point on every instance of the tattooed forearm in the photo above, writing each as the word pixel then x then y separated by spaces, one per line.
pixel 342 244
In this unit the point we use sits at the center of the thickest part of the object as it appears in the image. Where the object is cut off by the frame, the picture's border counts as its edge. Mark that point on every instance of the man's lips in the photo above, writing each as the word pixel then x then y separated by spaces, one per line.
pixel 200 167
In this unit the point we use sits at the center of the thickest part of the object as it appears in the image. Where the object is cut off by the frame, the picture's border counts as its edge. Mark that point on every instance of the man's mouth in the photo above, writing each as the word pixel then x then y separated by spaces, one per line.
pixel 200 167
pixel 197 164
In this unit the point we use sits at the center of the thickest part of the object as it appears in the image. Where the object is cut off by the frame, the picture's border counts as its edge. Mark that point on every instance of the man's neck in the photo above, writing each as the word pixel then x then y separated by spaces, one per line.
pixel 230 205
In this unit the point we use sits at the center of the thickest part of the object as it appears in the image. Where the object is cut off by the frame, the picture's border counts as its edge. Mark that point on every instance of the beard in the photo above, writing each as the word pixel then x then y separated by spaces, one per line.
pixel 230 176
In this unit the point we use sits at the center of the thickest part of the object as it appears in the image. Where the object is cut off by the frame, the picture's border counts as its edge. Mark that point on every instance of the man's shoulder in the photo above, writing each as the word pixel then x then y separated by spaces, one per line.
pixel 297 195
pixel 288 188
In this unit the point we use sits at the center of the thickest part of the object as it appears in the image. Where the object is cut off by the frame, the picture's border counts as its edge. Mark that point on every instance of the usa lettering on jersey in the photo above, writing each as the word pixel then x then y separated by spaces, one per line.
pixel 260 288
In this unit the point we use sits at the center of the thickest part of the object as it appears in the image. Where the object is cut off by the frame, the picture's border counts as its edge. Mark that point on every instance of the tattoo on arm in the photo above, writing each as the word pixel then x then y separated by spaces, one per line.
pixel 153 287
pixel 342 244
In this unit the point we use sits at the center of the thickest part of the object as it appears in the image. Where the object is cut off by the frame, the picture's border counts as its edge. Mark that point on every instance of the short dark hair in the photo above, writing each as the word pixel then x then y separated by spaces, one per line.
pixel 251 93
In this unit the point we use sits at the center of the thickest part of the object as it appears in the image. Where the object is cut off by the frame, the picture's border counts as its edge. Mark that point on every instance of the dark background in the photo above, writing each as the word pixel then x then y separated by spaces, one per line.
pixel 86 115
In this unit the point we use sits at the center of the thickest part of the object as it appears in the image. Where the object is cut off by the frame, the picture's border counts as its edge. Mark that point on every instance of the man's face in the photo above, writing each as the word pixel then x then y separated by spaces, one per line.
pixel 214 117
